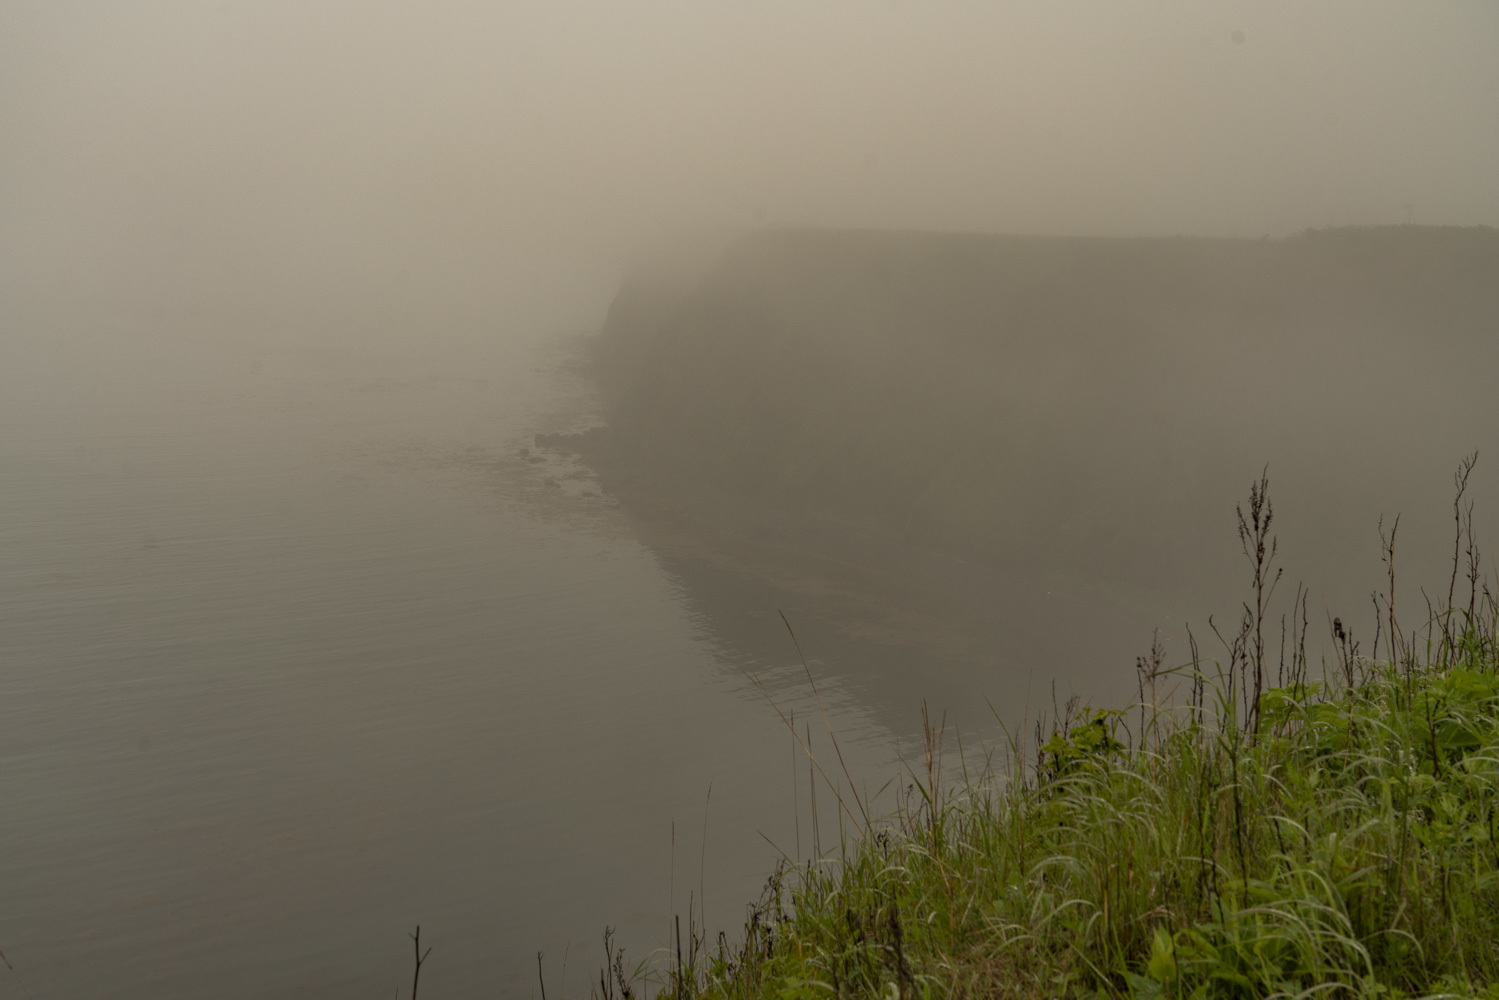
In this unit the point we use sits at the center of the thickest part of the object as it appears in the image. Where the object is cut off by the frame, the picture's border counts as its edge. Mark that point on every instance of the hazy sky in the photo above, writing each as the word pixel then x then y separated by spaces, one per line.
pixel 269 144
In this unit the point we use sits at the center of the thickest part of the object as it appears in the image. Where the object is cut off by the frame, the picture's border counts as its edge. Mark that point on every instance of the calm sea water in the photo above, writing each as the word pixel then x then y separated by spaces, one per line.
pixel 297 651
pixel 300 649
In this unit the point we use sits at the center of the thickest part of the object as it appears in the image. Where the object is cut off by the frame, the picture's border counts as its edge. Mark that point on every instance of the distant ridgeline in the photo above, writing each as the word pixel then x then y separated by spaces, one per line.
pixel 1077 407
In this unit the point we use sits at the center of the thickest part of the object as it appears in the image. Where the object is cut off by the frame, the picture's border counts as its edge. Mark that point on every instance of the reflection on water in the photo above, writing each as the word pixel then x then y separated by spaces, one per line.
pixel 300 649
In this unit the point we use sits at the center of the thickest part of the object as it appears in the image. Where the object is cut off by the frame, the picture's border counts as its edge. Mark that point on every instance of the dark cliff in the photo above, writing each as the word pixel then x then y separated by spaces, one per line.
pixel 1082 409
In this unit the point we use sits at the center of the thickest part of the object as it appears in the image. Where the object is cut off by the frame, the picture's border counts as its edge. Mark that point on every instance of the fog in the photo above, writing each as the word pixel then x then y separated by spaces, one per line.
pixel 344 586
pixel 469 157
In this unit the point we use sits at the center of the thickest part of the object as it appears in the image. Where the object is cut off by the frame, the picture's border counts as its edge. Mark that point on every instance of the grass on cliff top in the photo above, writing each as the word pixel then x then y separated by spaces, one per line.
pixel 1315 838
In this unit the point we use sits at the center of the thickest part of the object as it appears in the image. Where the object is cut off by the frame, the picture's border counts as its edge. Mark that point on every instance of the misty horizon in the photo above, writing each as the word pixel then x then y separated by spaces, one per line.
pixel 460 155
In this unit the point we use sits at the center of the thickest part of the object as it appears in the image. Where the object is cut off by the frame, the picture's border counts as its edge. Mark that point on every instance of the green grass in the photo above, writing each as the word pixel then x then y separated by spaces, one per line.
pixel 1324 839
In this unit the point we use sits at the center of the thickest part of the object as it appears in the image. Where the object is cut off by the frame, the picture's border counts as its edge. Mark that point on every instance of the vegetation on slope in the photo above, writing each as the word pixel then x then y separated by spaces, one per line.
pixel 1231 836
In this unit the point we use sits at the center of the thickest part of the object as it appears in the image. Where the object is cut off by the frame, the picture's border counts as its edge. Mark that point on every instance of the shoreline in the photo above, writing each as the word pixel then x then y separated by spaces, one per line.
pixel 868 596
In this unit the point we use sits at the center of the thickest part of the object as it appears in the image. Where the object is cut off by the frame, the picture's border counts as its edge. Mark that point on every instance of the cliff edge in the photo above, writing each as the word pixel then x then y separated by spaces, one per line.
pixel 1084 411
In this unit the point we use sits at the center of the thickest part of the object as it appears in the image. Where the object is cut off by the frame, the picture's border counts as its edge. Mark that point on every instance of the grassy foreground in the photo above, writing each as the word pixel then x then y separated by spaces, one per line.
pixel 1246 831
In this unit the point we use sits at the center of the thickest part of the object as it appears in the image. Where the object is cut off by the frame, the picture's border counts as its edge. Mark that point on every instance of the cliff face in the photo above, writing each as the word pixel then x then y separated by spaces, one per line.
pixel 1071 407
